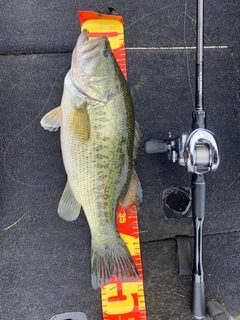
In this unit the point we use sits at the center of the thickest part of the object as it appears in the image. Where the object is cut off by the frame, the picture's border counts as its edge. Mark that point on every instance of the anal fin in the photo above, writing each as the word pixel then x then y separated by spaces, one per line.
pixel 68 208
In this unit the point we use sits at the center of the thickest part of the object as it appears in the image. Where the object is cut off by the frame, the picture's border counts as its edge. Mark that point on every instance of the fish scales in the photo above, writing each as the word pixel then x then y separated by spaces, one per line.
pixel 102 158
pixel 97 140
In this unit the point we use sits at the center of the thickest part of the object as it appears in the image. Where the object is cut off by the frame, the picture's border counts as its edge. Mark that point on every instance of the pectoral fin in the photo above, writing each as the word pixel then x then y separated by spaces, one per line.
pixel 68 208
pixel 52 120
pixel 134 191
pixel 80 123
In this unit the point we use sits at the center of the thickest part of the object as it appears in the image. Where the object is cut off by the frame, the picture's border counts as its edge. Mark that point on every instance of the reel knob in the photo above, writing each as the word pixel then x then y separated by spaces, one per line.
pixel 156 146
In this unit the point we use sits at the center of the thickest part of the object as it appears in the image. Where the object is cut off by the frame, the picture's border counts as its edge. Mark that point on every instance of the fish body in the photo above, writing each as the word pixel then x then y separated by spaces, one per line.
pixel 99 139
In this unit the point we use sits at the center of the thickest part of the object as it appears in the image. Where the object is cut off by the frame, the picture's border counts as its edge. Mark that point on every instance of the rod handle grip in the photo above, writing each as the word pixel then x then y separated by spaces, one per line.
pixel 198 300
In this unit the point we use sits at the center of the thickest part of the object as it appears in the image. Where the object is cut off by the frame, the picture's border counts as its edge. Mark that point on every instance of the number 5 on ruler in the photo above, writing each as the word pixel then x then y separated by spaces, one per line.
pixel 121 298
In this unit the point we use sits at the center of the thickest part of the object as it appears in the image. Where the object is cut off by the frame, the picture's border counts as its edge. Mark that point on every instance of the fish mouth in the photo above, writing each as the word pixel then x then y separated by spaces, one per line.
pixel 83 69
pixel 87 49
pixel 83 37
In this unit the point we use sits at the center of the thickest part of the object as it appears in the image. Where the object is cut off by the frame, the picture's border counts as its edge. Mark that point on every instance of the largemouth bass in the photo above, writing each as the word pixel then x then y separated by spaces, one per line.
pixel 99 138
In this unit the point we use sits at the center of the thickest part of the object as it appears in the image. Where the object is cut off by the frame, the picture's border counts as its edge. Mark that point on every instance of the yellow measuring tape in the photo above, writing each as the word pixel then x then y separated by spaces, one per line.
pixel 120 300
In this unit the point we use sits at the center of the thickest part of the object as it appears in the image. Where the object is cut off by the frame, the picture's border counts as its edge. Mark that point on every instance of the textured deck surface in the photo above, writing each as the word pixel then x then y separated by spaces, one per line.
pixel 45 261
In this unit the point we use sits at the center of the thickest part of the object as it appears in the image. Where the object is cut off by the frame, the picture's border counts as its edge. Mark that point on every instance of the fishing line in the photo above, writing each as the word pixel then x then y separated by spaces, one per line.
pixel 149 14
pixel 184 36
pixel 24 129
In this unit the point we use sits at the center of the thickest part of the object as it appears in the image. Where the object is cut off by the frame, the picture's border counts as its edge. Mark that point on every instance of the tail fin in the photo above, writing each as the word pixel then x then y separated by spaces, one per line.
pixel 112 260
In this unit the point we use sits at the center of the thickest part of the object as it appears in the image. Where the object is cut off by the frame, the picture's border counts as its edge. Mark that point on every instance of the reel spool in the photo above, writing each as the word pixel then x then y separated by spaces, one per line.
pixel 197 151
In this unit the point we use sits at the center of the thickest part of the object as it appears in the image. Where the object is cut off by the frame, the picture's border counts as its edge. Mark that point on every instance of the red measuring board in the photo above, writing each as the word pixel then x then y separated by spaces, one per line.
pixel 120 300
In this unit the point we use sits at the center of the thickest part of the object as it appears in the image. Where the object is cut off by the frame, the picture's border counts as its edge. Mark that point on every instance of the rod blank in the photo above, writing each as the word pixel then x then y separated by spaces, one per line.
pixel 199 57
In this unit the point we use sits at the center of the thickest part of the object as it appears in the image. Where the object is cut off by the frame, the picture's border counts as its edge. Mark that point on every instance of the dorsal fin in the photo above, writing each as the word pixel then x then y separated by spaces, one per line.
pixel 134 191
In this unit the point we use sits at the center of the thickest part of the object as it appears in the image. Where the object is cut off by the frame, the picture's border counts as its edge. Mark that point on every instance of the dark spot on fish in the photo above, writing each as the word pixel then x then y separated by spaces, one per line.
pixel 101 156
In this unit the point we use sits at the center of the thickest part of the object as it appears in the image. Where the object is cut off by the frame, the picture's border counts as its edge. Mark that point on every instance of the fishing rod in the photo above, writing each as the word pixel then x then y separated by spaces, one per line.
pixel 198 152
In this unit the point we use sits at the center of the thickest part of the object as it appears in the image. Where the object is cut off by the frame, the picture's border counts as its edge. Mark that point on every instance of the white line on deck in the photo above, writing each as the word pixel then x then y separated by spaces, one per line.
pixel 175 48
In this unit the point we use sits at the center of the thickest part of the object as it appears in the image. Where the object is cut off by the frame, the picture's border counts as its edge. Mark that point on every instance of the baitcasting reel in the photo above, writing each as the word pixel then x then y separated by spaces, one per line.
pixel 197 151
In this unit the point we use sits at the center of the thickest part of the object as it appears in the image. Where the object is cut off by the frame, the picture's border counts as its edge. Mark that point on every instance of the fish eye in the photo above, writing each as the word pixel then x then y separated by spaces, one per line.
pixel 107 54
